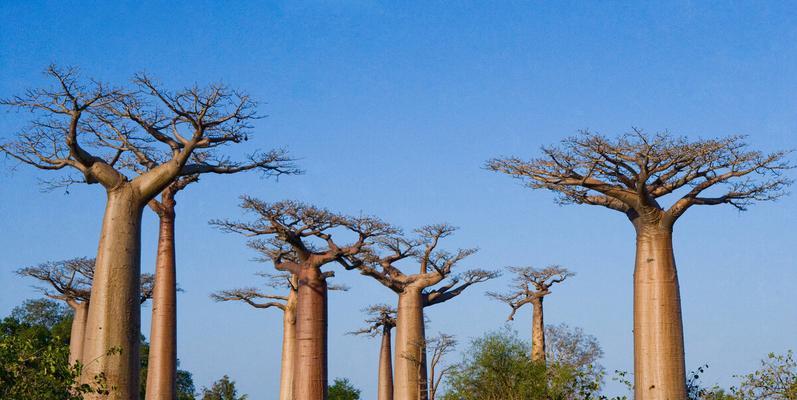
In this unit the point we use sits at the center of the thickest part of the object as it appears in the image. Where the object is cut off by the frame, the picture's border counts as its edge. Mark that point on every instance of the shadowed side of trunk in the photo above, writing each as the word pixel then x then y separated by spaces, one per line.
pixel 310 380
pixel 114 314
pixel 162 364
pixel 537 331
pixel 288 371
pixel 659 372
pixel 409 345
pixel 78 332
pixel 385 383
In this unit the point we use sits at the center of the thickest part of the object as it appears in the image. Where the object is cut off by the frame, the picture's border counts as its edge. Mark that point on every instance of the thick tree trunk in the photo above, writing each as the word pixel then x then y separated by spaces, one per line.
pixel 162 365
pixel 288 348
pixel 78 333
pixel 659 372
pixel 310 381
pixel 537 332
pixel 385 383
pixel 410 374
pixel 113 324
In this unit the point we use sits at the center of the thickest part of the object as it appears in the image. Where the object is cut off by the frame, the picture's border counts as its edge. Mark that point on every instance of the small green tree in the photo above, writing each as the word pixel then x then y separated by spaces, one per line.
pixel 775 380
pixel 342 389
pixel 222 389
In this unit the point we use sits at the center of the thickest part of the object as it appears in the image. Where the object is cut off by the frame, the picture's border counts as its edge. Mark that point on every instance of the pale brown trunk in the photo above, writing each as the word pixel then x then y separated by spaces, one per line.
pixel 410 374
pixel 385 368
pixel 659 372
pixel 114 315
pixel 537 332
pixel 162 364
pixel 78 332
pixel 310 381
pixel 288 347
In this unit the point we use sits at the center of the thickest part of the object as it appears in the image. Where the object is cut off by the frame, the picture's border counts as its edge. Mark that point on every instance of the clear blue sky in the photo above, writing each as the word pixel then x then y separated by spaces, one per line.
pixel 393 110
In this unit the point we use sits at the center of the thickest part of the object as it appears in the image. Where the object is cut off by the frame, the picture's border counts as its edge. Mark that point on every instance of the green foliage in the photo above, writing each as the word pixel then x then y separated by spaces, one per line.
pixel 222 389
pixel 776 379
pixel 498 367
pixel 342 389
pixel 34 358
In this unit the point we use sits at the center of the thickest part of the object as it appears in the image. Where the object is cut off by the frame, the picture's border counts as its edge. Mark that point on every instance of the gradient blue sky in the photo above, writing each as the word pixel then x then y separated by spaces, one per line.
pixel 392 111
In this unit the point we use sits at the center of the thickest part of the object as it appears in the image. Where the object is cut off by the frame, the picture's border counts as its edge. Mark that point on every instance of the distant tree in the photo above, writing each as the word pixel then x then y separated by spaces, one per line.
pixel 530 286
pixel 41 312
pixel 342 389
pixel 435 282
pixel 299 240
pixel 575 357
pixel 381 320
pixel 222 389
pixel 631 174
pixel 439 346
pixel 284 302
pixel 70 281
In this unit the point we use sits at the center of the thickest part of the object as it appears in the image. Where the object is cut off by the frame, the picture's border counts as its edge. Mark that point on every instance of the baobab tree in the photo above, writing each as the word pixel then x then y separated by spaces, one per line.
pixel 381 321
pixel 70 281
pixel 416 292
pixel 287 304
pixel 162 371
pixel 301 243
pixel 631 174
pixel 530 286
pixel 92 128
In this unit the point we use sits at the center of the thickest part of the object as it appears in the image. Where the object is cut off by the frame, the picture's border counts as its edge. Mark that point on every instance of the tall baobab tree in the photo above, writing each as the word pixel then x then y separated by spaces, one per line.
pixel 98 131
pixel 287 304
pixel 381 321
pixel 530 286
pixel 416 292
pixel 162 370
pixel 631 174
pixel 70 281
pixel 302 243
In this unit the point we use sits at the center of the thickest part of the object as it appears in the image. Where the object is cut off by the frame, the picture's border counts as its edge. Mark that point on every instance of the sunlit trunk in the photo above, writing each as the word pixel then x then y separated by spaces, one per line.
pixel 385 383
pixel 114 314
pixel 78 332
pixel 659 372
pixel 162 365
pixel 537 332
pixel 288 348
pixel 410 374
pixel 310 381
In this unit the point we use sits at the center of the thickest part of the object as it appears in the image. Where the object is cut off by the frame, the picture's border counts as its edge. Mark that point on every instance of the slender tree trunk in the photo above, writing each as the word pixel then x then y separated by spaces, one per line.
pixel 537 332
pixel 410 372
pixel 659 372
pixel 113 323
pixel 385 367
pixel 310 381
pixel 288 347
pixel 162 365
pixel 78 332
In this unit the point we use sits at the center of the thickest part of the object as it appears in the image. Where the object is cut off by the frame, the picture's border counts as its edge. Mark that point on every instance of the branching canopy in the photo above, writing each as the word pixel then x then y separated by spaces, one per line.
pixel 143 134
pixel 530 285
pixel 301 234
pixel 631 172
pixel 381 317
pixel 70 280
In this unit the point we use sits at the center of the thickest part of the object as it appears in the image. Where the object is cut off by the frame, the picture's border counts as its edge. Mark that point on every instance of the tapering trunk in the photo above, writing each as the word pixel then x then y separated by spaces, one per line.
pixel 385 382
pixel 410 373
pixel 288 348
pixel 310 381
pixel 113 323
pixel 659 372
pixel 162 365
pixel 78 333
pixel 537 332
